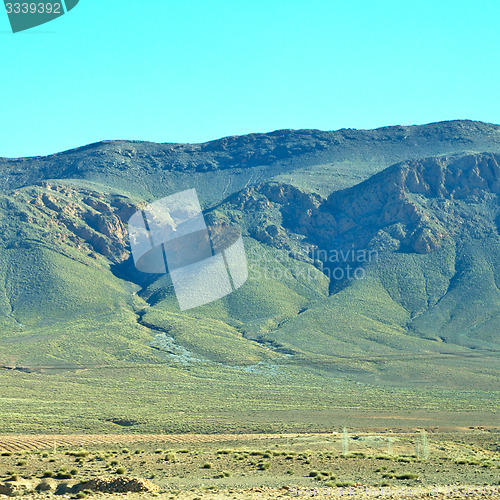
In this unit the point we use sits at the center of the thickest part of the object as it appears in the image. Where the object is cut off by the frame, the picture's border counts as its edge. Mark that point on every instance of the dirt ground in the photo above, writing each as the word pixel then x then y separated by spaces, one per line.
pixel 376 463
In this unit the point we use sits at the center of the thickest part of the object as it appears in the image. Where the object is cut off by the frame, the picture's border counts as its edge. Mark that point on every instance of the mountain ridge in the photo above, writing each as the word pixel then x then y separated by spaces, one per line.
pixel 302 157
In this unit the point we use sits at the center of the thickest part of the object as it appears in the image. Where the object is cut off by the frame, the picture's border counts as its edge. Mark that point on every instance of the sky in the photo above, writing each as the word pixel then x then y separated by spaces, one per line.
pixel 197 70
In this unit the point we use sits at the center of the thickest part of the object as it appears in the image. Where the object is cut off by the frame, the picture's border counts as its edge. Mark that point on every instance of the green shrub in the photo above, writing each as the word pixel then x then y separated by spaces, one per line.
pixel 120 470
pixel 48 473
pixel 170 457
pixel 125 450
pixel 264 466
pixel 407 476
pixel 207 465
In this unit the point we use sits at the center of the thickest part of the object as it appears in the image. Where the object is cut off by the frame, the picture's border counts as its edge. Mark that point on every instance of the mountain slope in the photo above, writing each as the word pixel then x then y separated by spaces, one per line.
pixel 386 276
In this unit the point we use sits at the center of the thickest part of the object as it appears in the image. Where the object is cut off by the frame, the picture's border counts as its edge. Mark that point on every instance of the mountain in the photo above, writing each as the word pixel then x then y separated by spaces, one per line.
pixel 312 160
pixel 373 266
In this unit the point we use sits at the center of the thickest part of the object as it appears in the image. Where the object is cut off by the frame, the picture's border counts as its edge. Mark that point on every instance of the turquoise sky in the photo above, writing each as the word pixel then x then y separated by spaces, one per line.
pixel 191 71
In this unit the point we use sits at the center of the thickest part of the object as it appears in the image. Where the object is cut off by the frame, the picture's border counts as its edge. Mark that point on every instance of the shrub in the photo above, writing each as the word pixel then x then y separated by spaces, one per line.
pixel 21 463
pixel 290 471
pixel 170 457
pixel 74 472
pixel 14 477
pixel 48 473
pixel 113 463
pixel 313 473
pixel 81 494
pixel 65 475
pixel 407 476
pixel 120 470
pixel 125 450
pixel 207 465
pixel 264 465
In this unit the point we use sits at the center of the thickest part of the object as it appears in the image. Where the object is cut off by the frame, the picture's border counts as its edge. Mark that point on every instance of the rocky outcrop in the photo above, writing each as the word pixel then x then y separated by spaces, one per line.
pixel 120 485
pixel 411 206
pixel 16 488
pixel 78 218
